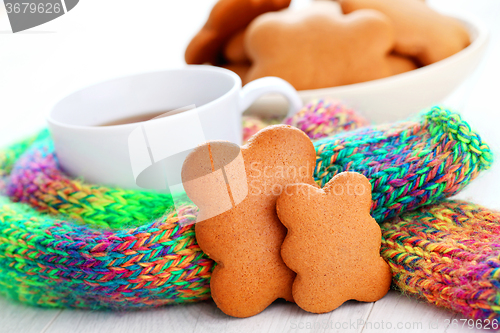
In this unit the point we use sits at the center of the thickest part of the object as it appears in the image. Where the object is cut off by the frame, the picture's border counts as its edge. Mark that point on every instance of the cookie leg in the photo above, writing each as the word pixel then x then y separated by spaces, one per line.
pixel 239 292
pixel 319 297
pixel 328 292
pixel 374 282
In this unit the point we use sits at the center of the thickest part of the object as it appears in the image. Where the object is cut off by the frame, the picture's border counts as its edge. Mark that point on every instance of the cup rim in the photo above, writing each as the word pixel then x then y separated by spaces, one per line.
pixel 206 68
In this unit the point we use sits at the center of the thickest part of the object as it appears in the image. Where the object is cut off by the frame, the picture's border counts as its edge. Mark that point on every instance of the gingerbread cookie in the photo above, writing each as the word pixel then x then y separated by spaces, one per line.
pixel 333 244
pixel 234 50
pixel 245 238
pixel 319 47
pixel 401 64
pixel 421 32
pixel 240 69
pixel 227 18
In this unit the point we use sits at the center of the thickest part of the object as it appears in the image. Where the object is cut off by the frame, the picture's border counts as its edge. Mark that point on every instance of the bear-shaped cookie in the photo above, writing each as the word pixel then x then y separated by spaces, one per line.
pixel 319 47
pixel 333 244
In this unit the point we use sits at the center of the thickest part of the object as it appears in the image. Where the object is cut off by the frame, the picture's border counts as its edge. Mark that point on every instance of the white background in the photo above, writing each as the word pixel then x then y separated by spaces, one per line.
pixel 100 39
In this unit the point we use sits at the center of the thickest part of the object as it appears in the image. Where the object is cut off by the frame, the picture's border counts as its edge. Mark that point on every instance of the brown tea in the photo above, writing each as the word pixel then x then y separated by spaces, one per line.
pixel 148 116
pixel 134 119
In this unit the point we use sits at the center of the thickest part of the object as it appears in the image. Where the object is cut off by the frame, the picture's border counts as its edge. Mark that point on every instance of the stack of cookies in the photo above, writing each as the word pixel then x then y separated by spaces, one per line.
pixel 275 234
pixel 328 43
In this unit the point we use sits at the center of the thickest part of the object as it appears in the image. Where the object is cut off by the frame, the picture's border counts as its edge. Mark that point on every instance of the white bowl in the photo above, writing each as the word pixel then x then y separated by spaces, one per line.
pixel 399 96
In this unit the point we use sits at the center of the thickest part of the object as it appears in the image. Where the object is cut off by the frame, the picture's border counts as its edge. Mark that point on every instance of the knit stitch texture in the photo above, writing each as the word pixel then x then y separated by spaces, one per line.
pixel 53 263
pixel 36 179
pixel 318 119
pixel 73 244
pixel 448 254
pixel 323 118
pixel 409 164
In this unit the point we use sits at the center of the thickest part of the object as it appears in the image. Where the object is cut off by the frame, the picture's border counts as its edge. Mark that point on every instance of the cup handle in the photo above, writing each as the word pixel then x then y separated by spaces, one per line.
pixel 271 84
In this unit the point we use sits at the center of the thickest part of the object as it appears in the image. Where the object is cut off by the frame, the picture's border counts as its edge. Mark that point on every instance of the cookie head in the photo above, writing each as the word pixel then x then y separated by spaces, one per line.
pixel 280 154
pixel 214 178
pixel 320 47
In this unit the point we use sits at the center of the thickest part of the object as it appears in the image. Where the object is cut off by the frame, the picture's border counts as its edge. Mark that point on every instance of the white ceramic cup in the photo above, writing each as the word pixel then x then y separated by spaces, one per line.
pixel 100 154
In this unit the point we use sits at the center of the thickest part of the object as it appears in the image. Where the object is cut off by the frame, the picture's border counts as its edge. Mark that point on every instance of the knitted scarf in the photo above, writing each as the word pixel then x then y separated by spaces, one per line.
pixel 66 243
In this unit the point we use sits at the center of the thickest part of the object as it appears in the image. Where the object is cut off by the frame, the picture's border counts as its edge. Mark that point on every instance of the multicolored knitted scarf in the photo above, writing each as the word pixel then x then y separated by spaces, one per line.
pixel 448 254
pixel 56 263
pixel 318 119
pixel 99 247
pixel 409 164
pixel 323 118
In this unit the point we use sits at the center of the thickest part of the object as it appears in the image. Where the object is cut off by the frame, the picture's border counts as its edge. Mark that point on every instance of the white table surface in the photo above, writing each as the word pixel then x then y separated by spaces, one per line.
pixel 103 39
